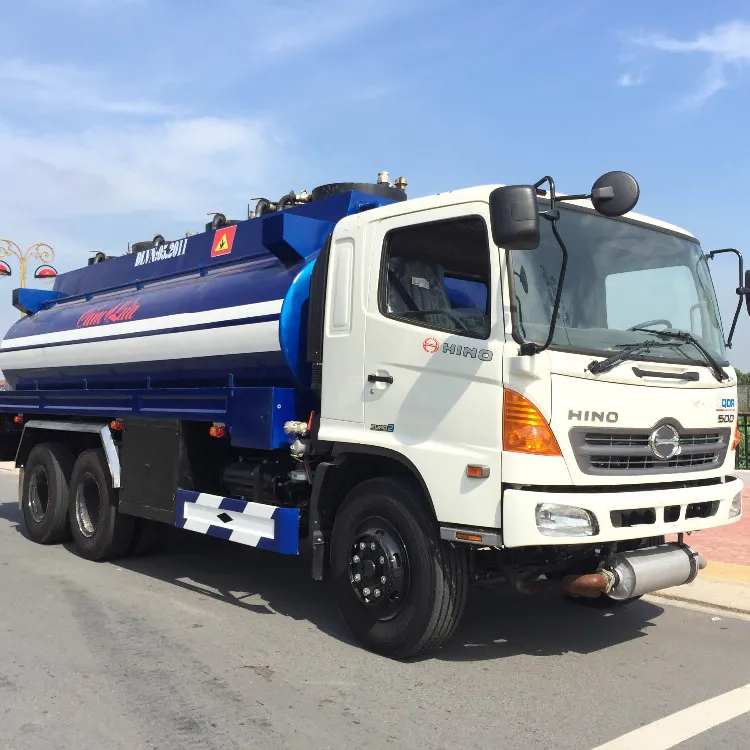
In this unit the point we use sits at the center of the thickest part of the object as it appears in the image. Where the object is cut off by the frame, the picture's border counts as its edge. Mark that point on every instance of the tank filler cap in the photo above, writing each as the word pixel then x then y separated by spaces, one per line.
pixel 384 178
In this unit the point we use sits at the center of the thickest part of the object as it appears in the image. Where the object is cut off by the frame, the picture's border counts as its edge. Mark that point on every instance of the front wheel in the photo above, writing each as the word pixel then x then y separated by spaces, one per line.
pixel 400 590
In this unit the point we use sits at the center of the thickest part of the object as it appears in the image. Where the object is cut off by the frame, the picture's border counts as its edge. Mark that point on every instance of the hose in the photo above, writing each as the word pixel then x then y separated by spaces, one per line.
pixel 288 198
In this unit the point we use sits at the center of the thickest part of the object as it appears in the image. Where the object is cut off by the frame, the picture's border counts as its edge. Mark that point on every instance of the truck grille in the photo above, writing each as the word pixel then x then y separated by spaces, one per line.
pixel 627 452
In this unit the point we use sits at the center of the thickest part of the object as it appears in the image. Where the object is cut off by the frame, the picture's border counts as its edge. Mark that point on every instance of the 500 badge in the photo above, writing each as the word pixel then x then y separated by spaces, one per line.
pixel 726 418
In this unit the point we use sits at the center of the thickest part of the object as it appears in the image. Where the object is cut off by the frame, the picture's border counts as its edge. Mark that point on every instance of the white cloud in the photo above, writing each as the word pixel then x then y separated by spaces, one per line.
pixel 55 87
pixel 179 168
pixel 296 25
pixel 627 80
pixel 87 5
pixel 135 155
pixel 727 45
pixel 729 42
pixel 710 83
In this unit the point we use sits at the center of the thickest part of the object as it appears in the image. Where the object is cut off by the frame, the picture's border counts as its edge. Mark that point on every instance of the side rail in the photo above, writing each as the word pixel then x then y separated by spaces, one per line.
pixel 35 429
pixel 743 449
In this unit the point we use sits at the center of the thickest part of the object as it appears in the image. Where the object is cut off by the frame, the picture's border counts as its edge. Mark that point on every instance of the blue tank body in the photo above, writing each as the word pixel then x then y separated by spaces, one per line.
pixel 224 307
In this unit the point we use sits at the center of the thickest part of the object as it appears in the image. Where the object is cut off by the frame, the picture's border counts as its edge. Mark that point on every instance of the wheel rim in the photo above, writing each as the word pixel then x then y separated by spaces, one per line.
pixel 88 505
pixel 379 568
pixel 38 494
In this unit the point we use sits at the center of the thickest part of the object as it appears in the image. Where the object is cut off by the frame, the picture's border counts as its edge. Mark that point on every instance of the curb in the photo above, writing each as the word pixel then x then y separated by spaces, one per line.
pixel 727 572
pixel 725 588
pixel 695 606
pixel 709 606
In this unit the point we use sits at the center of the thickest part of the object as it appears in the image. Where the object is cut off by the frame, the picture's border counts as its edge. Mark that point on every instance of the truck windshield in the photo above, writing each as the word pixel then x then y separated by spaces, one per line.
pixel 620 276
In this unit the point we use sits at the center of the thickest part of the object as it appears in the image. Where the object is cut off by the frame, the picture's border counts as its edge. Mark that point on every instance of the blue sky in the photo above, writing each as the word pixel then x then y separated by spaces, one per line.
pixel 123 118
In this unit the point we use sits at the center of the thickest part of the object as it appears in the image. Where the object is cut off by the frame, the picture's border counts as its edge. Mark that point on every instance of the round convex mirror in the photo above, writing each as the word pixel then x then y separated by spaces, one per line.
pixel 615 193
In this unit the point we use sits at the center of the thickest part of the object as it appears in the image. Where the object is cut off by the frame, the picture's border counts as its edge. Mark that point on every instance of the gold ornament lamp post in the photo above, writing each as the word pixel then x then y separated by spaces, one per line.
pixel 41 252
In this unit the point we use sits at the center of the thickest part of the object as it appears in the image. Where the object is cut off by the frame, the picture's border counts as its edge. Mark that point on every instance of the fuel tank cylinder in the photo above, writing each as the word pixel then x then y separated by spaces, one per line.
pixel 227 306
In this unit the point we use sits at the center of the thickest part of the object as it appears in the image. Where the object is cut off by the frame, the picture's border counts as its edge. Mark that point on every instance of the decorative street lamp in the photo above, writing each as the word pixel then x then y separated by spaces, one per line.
pixel 41 251
pixel 45 272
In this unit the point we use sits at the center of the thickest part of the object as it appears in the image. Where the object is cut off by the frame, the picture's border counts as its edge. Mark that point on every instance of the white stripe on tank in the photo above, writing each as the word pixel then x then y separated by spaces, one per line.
pixel 248 338
pixel 179 320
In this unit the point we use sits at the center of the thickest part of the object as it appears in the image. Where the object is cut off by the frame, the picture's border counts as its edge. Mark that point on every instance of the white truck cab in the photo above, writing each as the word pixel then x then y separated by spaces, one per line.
pixel 560 449
pixel 645 448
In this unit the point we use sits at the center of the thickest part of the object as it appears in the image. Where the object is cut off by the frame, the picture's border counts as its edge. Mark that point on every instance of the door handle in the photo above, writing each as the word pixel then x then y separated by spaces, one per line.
pixel 380 378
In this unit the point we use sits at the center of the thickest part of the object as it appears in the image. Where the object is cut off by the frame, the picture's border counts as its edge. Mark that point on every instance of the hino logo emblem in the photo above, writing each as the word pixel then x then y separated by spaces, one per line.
pixel 665 442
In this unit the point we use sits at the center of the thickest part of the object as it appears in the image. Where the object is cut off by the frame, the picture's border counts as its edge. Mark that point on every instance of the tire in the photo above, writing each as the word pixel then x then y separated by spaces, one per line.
pixel 419 606
pixel 98 530
pixel 147 537
pixel 44 495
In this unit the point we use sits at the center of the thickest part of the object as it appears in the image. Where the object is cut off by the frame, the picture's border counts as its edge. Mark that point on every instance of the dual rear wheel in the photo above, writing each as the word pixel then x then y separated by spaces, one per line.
pixel 65 497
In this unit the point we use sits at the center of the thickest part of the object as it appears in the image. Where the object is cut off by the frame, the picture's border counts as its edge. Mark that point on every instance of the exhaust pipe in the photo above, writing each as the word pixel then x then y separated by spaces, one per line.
pixel 628 574
pixel 652 569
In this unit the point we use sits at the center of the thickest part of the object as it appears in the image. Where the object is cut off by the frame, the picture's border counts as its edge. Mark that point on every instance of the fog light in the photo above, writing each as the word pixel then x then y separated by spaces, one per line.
pixel 735 509
pixel 565 520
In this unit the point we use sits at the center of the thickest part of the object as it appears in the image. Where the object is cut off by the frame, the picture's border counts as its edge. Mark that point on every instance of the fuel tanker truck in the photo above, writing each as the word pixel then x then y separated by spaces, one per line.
pixel 500 384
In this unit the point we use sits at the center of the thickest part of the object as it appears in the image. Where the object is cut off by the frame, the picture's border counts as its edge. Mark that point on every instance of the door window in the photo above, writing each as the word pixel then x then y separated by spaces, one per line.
pixel 437 275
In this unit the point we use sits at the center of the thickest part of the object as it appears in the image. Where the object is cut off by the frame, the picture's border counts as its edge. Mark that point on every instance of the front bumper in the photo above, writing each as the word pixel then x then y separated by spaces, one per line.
pixel 520 520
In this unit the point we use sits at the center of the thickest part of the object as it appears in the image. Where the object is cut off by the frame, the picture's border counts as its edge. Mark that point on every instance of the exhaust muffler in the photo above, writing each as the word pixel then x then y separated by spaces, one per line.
pixel 644 571
pixel 627 574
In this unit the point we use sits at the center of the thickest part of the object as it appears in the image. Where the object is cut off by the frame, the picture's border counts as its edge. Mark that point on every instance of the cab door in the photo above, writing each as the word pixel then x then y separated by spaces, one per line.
pixel 433 354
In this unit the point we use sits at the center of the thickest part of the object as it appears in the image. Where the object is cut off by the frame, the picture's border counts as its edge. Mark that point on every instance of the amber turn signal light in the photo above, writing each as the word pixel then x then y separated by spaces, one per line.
pixel 465 537
pixel 525 430
pixel 217 431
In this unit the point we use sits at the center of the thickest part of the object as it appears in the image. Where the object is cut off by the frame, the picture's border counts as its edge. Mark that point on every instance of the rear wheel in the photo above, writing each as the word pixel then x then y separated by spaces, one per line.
pixel 147 537
pixel 44 494
pixel 400 590
pixel 98 530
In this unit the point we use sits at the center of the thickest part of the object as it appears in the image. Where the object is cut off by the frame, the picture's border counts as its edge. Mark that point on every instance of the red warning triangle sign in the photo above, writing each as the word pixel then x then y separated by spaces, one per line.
pixel 223 241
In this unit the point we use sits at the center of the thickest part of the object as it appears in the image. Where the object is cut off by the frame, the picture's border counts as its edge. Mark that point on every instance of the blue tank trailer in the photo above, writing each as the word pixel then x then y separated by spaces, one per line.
pixel 155 386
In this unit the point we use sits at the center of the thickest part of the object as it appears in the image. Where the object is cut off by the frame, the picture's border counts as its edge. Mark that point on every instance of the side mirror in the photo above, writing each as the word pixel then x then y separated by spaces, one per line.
pixel 514 216
pixel 615 193
pixel 747 286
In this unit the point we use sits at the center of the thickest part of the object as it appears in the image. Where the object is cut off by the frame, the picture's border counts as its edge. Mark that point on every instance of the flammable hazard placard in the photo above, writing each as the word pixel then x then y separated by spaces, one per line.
pixel 223 240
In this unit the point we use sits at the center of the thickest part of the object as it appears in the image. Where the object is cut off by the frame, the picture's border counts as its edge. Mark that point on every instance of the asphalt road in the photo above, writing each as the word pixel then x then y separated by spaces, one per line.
pixel 213 645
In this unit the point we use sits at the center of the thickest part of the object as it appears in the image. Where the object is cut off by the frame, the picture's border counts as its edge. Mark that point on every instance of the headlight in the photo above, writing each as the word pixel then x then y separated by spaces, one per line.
pixel 565 520
pixel 736 508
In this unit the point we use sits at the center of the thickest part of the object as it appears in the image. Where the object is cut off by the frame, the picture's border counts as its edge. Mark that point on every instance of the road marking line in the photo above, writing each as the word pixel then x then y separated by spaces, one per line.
pixel 676 728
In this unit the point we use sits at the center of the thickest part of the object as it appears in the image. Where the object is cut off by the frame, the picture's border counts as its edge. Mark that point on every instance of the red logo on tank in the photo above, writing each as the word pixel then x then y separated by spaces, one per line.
pixel 103 315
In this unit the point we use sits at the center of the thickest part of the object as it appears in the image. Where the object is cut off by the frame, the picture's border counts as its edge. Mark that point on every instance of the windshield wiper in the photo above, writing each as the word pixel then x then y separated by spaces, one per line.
pixel 629 351
pixel 713 363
